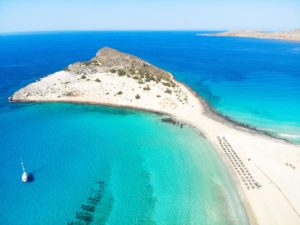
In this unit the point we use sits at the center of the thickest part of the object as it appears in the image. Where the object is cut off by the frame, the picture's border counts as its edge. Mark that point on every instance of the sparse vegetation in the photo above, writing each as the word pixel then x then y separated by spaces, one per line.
pixel 121 72
pixel 137 97
pixel 158 96
pixel 98 80
pixel 121 64
pixel 119 93
pixel 168 91
pixel 70 94
pixel 147 88
pixel 83 77
pixel 172 84
pixel 166 84
pixel 131 71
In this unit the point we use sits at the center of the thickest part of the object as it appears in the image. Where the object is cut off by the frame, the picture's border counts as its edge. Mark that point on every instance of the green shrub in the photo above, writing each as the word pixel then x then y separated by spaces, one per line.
pixel 119 93
pixel 83 77
pixel 166 84
pixel 121 72
pixel 113 71
pixel 147 88
pixel 131 71
pixel 98 80
pixel 168 91
pixel 137 97
pixel 172 84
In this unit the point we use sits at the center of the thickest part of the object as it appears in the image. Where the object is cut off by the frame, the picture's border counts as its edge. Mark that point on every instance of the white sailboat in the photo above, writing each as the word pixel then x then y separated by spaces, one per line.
pixel 24 174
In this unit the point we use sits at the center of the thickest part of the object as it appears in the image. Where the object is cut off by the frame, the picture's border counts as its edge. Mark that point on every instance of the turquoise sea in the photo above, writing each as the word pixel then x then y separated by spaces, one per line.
pixel 150 172
pixel 128 167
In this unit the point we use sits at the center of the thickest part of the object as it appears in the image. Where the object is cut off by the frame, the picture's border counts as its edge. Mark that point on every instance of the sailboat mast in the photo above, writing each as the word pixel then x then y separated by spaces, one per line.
pixel 23 168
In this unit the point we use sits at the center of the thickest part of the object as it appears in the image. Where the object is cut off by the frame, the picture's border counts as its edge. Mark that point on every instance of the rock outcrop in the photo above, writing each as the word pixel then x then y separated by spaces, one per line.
pixel 111 60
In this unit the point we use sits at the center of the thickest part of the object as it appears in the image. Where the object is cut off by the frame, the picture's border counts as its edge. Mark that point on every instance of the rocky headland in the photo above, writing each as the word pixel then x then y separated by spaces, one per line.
pixel 111 78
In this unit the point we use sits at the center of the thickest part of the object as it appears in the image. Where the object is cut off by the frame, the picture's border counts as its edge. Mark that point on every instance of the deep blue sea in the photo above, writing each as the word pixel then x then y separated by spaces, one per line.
pixel 129 166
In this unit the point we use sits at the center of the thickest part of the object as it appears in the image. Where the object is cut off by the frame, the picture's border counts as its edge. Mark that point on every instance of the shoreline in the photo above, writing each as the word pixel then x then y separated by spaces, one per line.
pixel 242 199
pixel 290 36
pixel 249 213
pixel 265 169
pixel 210 113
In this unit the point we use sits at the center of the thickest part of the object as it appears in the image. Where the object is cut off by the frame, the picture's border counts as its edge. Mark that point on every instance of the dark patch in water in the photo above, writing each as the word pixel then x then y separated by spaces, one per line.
pixel 30 178
pixel 206 92
pixel 232 75
pixel 74 107
pixel 172 121
pixel 86 212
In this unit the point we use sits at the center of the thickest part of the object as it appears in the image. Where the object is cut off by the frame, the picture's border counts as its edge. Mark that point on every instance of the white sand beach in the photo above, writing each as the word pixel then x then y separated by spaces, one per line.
pixel 265 169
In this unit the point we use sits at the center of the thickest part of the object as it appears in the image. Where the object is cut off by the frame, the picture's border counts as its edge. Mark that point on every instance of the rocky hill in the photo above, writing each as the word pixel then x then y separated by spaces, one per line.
pixel 111 60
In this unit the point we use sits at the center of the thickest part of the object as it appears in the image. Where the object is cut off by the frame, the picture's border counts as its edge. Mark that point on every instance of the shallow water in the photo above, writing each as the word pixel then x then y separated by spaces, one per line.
pixel 153 172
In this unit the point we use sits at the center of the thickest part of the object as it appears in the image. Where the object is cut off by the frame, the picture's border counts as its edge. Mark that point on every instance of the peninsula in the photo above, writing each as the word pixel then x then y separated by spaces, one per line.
pixel 293 35
pixel 266 170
